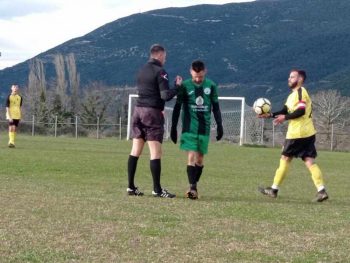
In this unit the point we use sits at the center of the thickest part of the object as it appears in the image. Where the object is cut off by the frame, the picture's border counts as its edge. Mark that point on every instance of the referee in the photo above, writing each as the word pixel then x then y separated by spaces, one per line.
pixel 148 119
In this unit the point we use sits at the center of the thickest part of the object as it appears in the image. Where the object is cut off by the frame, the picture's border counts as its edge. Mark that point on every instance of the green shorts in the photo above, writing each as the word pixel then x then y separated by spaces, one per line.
pixel 194 142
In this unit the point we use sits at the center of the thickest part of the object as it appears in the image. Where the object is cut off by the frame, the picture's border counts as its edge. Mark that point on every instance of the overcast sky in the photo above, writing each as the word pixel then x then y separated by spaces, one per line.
pixel 29 27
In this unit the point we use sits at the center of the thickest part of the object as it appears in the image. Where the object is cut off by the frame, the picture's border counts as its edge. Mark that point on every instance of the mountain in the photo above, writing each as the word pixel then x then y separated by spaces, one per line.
pixel 249 48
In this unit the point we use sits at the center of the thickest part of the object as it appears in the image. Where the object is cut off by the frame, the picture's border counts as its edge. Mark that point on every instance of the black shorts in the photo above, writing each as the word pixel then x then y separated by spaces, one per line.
pixel 300 148
pixel 148 124
pixel 14 122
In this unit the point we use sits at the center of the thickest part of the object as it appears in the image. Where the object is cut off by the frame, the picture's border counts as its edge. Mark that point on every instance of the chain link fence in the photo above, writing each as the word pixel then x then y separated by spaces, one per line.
pixel 263 132
pixel 255 131
pixel 72 128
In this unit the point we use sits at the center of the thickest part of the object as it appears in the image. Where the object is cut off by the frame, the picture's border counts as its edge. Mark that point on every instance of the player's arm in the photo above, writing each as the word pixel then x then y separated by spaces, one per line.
pixel 218 119
pixel 166 93
pixel 217 113
pixel 283 111
pixel 176 115
pixel 300 111
pixel 174 121
pixel 8 115
pixel 296 114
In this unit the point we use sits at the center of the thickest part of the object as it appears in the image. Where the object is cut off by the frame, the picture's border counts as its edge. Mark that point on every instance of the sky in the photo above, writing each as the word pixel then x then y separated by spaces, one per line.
pixel 30 27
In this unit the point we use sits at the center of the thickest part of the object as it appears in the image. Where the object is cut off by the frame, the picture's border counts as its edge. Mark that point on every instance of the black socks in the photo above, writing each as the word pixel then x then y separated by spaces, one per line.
pixel 199 170
pixel 132 164
pixel 192 177
pixel 194 174
pixel 155 167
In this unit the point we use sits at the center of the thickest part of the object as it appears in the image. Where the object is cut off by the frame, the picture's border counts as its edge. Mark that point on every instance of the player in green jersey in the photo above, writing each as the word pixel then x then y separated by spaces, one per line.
pixel 199 97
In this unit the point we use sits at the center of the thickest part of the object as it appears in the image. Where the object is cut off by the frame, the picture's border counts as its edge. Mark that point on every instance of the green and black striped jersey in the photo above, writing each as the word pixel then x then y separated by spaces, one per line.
pixel 197 100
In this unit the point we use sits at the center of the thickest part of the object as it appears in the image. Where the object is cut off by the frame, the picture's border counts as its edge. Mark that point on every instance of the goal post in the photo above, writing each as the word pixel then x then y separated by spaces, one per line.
pixel 131 105
pixel 241 128
pixel 233 118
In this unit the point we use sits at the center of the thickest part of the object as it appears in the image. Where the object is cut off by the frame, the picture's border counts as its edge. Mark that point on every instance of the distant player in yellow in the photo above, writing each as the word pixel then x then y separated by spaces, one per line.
pixel 13 113
pixel 300 138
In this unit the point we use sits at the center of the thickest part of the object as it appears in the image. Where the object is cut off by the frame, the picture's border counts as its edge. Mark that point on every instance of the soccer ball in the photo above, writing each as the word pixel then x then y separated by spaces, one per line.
pixel 261 106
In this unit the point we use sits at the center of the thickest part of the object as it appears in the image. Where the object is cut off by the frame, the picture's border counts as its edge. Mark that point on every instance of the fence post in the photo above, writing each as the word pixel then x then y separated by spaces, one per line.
pixel 76 127
pixel 120 128
pixel 242 122
pixel 55 126
pixel 33 125
pixel 273 136
pixel 262 131
pixel 332 136
pixel 167 128
pixel 245 131
pixel 97 127
pixel 129 118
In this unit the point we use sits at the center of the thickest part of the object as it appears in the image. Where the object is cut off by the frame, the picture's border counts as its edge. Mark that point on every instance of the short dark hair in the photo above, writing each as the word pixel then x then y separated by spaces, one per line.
pixel 156 48
pixel 301 73
pixel 198 66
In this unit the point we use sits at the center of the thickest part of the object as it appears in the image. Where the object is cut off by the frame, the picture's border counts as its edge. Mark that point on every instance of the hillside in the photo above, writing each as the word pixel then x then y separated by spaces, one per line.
pixel 249 48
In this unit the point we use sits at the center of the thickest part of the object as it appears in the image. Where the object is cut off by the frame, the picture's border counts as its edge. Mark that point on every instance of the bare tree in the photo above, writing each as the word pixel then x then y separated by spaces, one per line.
pixel 331 112
pixel 95 103
pixel 61 83
pixel 74 83
pixel 121 97
pixel 36 91
pixel 330 108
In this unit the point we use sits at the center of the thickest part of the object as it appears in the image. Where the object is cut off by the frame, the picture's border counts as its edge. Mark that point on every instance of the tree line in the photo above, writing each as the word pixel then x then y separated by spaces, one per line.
pixel 64 98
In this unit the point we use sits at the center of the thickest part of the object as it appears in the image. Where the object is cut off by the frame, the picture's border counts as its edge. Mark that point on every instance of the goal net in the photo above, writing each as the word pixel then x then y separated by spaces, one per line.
pixel 238 120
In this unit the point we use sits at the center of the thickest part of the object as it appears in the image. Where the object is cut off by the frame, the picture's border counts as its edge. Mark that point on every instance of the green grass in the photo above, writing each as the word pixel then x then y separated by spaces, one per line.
pixel 64 200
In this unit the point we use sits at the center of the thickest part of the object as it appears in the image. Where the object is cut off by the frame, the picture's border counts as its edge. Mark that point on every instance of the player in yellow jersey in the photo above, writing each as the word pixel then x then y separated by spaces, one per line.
pixel 13 113
pixel 300 138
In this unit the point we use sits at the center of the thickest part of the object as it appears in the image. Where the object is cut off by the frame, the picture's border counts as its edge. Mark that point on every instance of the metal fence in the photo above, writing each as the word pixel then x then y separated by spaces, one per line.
pixel 256 131
pixel 73 128
pixel 263 132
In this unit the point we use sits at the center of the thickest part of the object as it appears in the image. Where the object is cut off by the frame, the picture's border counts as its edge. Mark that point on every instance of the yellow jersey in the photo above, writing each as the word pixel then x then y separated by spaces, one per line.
pixel 14 103
pixel 302 126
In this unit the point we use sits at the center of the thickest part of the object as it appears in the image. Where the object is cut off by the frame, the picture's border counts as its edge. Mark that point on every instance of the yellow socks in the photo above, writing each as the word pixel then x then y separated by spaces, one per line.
pixel 317 177
pixel 281 173
pixel 12 136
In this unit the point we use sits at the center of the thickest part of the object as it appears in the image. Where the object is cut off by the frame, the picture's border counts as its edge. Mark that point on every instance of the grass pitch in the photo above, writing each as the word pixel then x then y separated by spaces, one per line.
pixel 64 200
